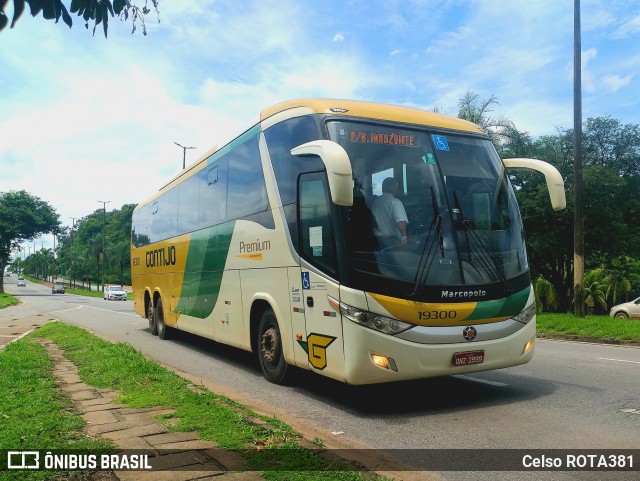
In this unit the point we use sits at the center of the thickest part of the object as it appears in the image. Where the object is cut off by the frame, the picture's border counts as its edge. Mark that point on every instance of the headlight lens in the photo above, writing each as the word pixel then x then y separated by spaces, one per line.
pixel 371 320
pixel 527 314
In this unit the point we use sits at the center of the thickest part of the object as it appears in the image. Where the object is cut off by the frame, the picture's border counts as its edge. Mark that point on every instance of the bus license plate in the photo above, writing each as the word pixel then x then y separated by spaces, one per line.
pixel 466 358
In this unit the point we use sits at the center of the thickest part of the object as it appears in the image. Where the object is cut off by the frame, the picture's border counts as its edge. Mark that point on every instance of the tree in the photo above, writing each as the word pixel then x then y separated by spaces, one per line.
pixel 594 286
pixel 22 218
pixel 621 273
pixel 80 249
pixel 97 11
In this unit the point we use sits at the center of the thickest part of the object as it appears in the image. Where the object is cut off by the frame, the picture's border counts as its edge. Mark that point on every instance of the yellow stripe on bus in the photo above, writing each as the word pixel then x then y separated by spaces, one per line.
pixel 430 314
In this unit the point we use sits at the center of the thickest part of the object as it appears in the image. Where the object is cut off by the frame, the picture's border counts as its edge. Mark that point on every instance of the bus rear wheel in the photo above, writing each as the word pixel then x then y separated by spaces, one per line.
pixel 270 351
pixel 164 332
pixel 151 317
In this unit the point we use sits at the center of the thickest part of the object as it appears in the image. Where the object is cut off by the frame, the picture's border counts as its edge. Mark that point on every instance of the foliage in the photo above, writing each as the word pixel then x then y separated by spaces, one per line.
pixel 78 256
pixel 594 286
pixel 22 218
pixel 97 11
pixel 545 294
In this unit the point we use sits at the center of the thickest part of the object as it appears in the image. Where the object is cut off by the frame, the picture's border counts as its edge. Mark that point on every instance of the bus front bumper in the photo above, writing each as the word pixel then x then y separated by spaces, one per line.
pixel 399 360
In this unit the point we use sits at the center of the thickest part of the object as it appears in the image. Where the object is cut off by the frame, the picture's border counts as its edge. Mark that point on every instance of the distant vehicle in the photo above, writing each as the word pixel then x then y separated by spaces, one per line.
pixel 20 278
pixel 114 293
pixel 8 274
pixel 58 288
pixel 22 283
pixel 627 310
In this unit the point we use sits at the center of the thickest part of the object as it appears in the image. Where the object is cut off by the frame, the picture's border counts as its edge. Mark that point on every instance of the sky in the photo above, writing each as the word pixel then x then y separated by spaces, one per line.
pixel 86 120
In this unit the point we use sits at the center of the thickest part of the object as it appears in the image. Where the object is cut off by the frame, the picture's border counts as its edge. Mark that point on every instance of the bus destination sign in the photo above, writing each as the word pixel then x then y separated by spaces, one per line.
pixel 401 139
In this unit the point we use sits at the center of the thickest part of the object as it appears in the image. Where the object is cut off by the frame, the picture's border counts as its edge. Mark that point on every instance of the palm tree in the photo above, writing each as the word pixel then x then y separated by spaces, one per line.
pixel 594 286
pixel 545 294
pixel 619 278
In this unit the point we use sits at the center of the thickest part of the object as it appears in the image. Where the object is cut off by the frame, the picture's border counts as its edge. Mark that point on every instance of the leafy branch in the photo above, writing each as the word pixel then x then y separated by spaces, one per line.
pixel 96 11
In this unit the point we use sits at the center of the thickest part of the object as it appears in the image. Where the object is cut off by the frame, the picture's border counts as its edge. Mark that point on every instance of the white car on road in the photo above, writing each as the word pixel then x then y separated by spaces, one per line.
pixel 114 293
pixel 628 310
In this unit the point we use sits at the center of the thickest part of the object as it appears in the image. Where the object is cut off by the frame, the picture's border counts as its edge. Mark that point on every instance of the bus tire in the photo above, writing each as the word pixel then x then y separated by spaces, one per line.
pixel 270 353
pixel 153 326
pixel 164 332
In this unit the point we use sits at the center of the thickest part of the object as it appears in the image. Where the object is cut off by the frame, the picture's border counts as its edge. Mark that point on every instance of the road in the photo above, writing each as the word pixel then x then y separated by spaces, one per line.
pixel 571 396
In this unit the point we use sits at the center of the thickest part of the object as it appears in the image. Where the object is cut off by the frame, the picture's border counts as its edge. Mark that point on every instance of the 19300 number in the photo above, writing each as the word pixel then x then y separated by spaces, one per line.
pixel 425 315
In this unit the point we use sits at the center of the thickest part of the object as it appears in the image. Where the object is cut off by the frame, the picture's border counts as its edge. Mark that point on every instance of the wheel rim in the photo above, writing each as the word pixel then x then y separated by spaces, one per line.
pixel 270 347
pixel 160 320
pixel 152 321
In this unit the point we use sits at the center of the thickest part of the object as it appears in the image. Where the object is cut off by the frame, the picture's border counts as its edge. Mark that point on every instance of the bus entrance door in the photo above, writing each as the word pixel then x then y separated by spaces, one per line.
pixel 324 343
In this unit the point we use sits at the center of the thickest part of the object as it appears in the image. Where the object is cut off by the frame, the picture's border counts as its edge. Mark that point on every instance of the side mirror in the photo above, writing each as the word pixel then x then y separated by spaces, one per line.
pixel 336 160
pixel 555 184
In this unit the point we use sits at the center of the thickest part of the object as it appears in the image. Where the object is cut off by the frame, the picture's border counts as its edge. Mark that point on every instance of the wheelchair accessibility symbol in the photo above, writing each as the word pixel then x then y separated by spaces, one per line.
pixel 306 282
pixel 440 142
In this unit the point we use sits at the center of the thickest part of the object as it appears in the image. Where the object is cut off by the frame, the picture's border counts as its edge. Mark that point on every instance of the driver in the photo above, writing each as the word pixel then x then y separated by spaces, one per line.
pixel 390 216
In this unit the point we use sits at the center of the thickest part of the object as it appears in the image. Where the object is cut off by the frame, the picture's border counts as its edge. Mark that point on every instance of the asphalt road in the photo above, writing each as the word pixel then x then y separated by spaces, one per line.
pixel 571 396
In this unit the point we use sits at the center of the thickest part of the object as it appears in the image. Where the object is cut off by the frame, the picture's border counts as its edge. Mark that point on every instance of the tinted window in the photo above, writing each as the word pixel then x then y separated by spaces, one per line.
pixel 246 191
pixel 212 188
pixel 283 137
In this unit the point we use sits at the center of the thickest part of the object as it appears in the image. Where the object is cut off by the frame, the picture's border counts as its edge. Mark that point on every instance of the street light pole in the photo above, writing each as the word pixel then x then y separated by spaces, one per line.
pixel 73 257
pixel 184 153
pixel 104 222
pixel 578 203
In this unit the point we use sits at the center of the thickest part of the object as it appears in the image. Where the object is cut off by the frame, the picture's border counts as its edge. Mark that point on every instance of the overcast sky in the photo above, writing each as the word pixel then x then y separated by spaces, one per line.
pixel 86 119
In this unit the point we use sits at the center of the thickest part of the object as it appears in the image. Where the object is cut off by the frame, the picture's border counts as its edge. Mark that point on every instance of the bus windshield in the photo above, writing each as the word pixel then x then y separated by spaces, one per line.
pixel 431 209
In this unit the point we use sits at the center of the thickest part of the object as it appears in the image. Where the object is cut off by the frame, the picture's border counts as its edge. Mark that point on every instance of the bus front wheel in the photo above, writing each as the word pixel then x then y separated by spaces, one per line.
pixel 270 351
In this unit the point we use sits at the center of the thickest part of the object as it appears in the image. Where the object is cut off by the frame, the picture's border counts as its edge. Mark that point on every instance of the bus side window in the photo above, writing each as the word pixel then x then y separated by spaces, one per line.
pixel 316 230
pixel 212 189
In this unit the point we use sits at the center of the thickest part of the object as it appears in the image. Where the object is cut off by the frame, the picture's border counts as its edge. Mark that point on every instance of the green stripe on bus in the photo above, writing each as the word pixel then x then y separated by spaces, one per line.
pixel 506 307
pixel 208 251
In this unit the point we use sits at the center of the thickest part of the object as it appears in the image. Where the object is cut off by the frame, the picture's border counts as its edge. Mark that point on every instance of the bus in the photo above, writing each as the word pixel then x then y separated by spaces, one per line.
pixel 270 244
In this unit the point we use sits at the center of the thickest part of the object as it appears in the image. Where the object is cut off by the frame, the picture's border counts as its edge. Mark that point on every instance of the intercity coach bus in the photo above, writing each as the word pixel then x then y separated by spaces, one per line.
pixel 270 244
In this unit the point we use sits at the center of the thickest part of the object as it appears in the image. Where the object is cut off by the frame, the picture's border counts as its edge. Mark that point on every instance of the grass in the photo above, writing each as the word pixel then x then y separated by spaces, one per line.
pixel 33 414
pixel 590 328
pixel 6 300
pixel 142 383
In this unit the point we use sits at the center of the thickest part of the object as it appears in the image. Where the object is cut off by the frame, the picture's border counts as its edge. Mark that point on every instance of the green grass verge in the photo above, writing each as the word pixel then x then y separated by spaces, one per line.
pixel 33 414
pixel 144 383
pixel 592 328
pixel 6 300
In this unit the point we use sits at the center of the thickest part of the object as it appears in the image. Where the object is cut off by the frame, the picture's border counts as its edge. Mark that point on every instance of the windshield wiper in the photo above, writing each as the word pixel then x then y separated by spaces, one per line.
pixel 477 248
pixel 429 247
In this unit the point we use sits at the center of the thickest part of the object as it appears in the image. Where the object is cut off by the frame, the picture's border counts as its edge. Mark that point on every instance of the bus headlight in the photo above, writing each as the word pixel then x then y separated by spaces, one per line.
pixel 527 314
pixel 369 319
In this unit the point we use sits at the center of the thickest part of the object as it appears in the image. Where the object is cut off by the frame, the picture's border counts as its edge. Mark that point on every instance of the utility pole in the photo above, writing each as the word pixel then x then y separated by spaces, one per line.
pixel 184 153
pixel 104 223
pixel 73 257
pixel 578 223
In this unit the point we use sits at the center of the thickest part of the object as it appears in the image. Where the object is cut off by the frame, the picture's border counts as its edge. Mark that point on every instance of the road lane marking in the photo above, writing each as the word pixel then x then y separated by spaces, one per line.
pixel 477 379
pixel 67 310
pixel 115 312
pixel 630 411
pixel 617 360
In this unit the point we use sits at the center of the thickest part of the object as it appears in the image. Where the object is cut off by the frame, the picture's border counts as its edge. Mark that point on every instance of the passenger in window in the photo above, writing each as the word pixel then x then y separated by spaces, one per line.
pixel 390 216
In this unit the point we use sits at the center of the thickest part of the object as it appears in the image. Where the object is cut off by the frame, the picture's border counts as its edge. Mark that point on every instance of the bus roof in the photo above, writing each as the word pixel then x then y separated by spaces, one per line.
pixel 372 110
pixel 351 108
